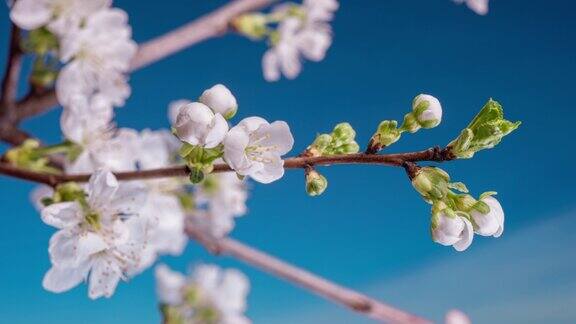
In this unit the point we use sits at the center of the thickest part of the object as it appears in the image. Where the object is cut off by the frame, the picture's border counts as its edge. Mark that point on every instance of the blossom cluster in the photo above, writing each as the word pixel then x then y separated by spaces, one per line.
pixel 299 31
pixel 457 216
pixel 94 44
pixel 253 147
pixel 209 295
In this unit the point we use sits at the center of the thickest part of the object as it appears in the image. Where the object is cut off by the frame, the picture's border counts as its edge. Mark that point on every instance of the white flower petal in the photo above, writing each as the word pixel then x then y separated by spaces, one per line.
pixel 62 215
pixel 59 279
pixel 217 132
pixel 466 238
pixel 104 278
pixel 101 188
pixel 30 14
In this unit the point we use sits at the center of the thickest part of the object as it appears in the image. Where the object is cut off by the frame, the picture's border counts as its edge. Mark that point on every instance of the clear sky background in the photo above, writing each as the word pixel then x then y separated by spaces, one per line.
pixel 369 230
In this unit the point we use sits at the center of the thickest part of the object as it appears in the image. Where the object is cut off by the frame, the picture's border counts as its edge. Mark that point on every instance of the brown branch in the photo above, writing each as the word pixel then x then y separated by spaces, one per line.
pixel 8 113
pixel 434 154
pixel 318 285
pixel 210 25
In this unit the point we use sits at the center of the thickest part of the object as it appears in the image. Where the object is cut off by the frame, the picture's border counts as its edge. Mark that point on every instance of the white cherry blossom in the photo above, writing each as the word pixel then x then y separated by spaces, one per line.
pixel 455 230
pixel 283 57
pixel 101 238
pixel 197 124
pixel 492 223
pixel 60 16
pixel 220 100
pixel 255 147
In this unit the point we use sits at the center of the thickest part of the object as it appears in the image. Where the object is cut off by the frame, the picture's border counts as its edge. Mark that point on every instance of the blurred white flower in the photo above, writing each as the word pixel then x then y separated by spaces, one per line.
pixel 453 230
pixel 491 223
pixel 88 124
pixel 478 6
pixel 197 124
pixel 220 100
pixel 220 294
pixel 455 316
pixel 169 285
pixel 309 36
pixel 60 16
pixel 255 147
pixel 101 237
pixel 98 54
pixel 162 210
pixel 219 199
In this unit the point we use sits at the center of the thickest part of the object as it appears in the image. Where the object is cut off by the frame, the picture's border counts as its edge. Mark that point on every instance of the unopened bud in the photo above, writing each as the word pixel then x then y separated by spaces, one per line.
pixel 431 183
pixel 220 100
pixel 427 110
pixel 315 183
pixel 252 25
pixel 344 133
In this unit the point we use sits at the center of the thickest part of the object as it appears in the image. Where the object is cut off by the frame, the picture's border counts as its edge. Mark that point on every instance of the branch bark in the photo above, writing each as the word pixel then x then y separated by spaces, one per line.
pixel 305 279
pixel 435 154
pixel 210 25
pixel 8 113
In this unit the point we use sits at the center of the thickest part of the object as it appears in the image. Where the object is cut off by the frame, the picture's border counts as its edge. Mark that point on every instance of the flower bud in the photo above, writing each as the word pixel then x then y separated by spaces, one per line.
pixel 451 229
pixel 349 148
pixel 252 25
pixel 220 100
pixel 432 183
pixel 315 183
pixel 488 217
pixel 427 110
pixel 344 133
pixel 387 134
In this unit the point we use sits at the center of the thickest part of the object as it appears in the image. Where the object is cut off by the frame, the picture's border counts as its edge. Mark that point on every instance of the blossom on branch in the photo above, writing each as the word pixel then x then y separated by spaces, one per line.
pixel 100 237
pixel 255 147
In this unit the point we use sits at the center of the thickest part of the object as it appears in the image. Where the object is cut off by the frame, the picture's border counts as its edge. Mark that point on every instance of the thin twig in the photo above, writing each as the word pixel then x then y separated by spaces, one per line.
pixel 434 154
pixel 318 285
pixel 210 25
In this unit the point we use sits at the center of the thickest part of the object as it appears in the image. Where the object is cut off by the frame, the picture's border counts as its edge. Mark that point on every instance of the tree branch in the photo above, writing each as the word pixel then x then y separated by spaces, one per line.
pixel 210 25
pixel 435 154
pixel 307 280
pixel 8 113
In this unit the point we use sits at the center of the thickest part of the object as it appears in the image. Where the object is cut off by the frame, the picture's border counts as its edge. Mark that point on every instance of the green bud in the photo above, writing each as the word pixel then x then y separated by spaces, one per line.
pixel 431 183
pixel 196 175
pixel 29 155
pixel 344 133
pixel 315 183
pixel 251 25
pixel 40 41
pixel 349 148
pixel 386 135
pixel 484 132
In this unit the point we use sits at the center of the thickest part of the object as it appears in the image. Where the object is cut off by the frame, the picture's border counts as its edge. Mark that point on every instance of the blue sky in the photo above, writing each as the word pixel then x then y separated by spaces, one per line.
pixel 369 230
